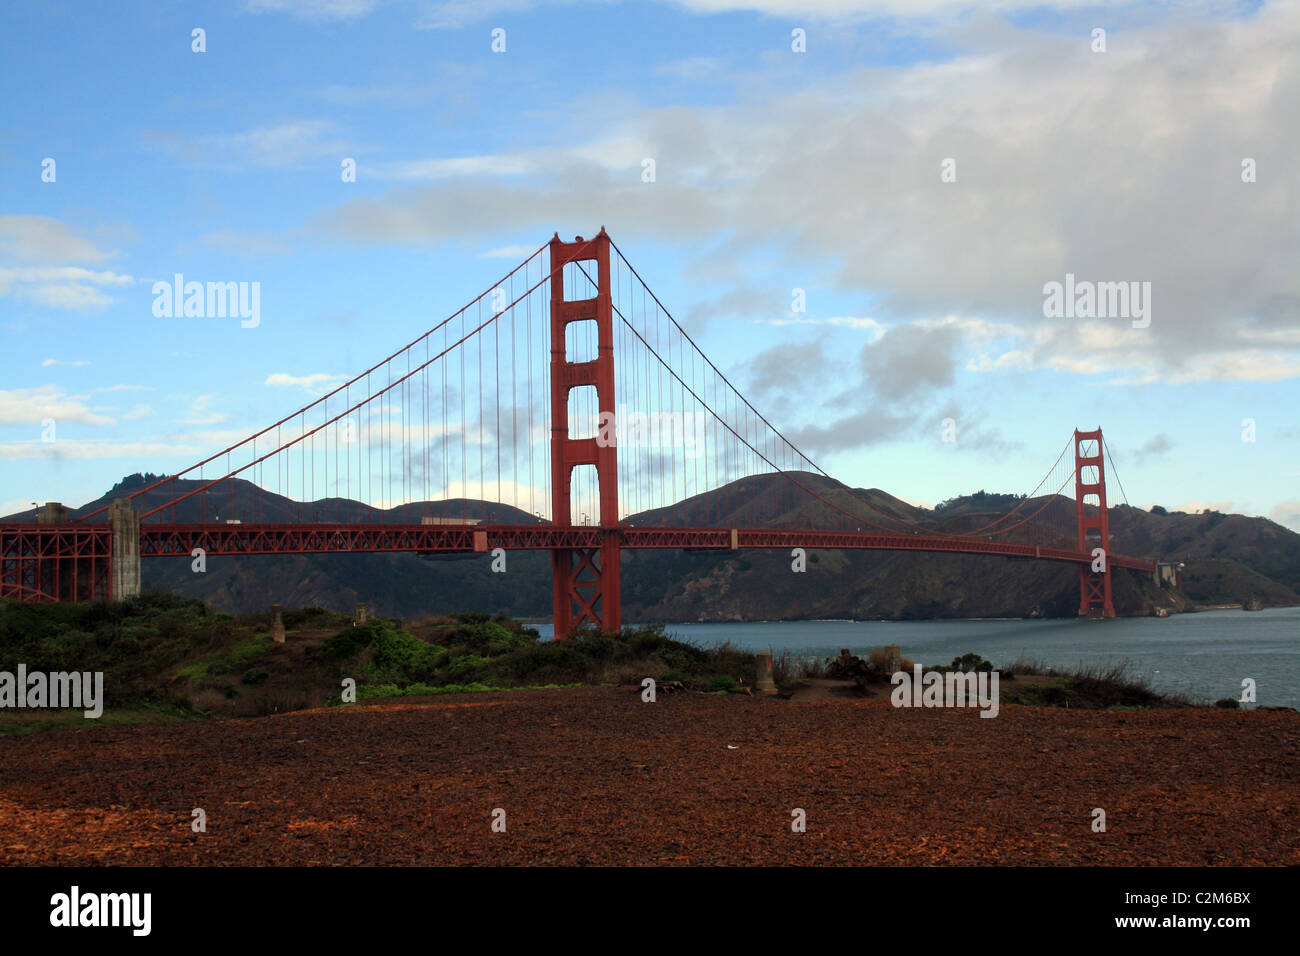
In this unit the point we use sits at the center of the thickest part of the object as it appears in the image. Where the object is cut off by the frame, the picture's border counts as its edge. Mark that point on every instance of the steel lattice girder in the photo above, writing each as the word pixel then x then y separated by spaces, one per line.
pixel 180 540
pixel 73 559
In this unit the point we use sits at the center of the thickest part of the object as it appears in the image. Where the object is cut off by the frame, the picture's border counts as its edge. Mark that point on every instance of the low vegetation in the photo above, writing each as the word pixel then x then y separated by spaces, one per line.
pixel 1094 686
pixel 1024 681
pixel 133 643
pixel 168 657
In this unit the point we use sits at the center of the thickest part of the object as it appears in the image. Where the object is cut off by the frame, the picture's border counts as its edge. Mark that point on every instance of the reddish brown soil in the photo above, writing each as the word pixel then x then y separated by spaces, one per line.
pixel 595 776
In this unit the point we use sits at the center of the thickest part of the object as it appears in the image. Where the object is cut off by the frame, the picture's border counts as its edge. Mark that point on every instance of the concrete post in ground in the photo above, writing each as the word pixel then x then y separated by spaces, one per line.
pixel 764 681
pixel 360 617
pixel 277 625
pixel 124 578
pixel 893 658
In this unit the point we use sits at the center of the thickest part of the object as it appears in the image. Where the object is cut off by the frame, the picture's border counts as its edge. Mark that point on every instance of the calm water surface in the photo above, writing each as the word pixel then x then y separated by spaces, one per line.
pixel 1204 655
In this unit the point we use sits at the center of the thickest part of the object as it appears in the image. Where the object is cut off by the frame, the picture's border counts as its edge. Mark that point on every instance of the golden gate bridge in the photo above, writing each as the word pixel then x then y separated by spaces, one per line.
pixel 457 443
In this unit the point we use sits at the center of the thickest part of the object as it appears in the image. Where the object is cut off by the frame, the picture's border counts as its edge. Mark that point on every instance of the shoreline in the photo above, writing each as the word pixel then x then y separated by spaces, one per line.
pixel 1199 609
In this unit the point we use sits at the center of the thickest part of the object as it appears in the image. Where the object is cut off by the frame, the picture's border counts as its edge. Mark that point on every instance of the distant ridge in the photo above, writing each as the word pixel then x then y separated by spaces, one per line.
pixel 1230 559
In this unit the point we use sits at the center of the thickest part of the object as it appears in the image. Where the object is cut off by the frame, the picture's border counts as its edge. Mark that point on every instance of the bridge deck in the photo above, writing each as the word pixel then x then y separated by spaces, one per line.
pixel 28 541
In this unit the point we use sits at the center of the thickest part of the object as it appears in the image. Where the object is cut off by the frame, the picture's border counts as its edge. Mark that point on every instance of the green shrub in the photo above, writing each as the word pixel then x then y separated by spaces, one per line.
pixel 347 642
pixel 400 658
pixel 313 618
pixel 550 661
pixel 600 647
pixel 970 662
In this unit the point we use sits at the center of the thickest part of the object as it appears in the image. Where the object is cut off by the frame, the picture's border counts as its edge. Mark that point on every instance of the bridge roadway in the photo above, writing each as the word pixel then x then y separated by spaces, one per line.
pixel 68 561
pixel 166 540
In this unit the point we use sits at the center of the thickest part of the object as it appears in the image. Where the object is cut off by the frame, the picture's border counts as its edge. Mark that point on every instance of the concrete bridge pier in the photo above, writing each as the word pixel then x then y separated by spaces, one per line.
pixel 54 512
pixel 124 569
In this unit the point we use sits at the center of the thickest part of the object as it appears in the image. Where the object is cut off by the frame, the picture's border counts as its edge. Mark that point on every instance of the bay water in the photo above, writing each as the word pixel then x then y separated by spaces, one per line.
pixel 1204 656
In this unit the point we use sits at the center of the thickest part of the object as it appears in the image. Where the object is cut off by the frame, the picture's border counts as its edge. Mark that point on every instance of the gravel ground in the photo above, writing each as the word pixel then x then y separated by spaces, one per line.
pixel 595 776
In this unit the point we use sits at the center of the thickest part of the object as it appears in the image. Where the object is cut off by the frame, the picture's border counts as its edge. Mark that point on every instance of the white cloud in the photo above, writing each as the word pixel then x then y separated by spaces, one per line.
pixel 428 170
pixel 842 321
pixel 290 144
pixel 18 506
pixel 1287 513
pixel 66 448
pixel 244 244
pixel 928 506
pixel 75 297
pixel 284 144
pixel 75 363
pixel 512 493
pixel 200 412
pixel 60 287
pixel 455 14
pixel 63 273
pixel 31 406
pixel 41 239
pixel 315 9
pixel 317 383
pixel 1060 168
pixel 514 253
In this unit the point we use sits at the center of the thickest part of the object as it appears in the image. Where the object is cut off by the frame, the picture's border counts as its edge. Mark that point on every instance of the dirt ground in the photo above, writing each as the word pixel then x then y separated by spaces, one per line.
pixel 595 776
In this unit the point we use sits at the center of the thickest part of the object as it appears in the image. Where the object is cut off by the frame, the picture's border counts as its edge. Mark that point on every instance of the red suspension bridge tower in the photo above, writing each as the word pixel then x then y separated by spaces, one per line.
pixel 1094 528
pixel 586 579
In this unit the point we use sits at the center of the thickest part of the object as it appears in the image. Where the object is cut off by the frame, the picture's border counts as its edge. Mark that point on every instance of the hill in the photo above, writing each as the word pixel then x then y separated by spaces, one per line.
pixel 1230 559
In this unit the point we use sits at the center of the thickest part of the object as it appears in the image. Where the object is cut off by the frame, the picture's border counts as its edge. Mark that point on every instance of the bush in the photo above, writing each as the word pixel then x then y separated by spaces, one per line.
pixel 600 647
pixel 878 660
pixel 478 634
pixel 676 655
pixel 402 659
pixel 971 662
pixel 1228 703
pixel 549 662
pixel 313 618
pixel 347 642
pixel 255 675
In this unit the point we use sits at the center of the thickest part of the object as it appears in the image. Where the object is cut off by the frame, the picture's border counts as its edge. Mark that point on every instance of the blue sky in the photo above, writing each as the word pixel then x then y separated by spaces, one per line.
pixel 775 170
